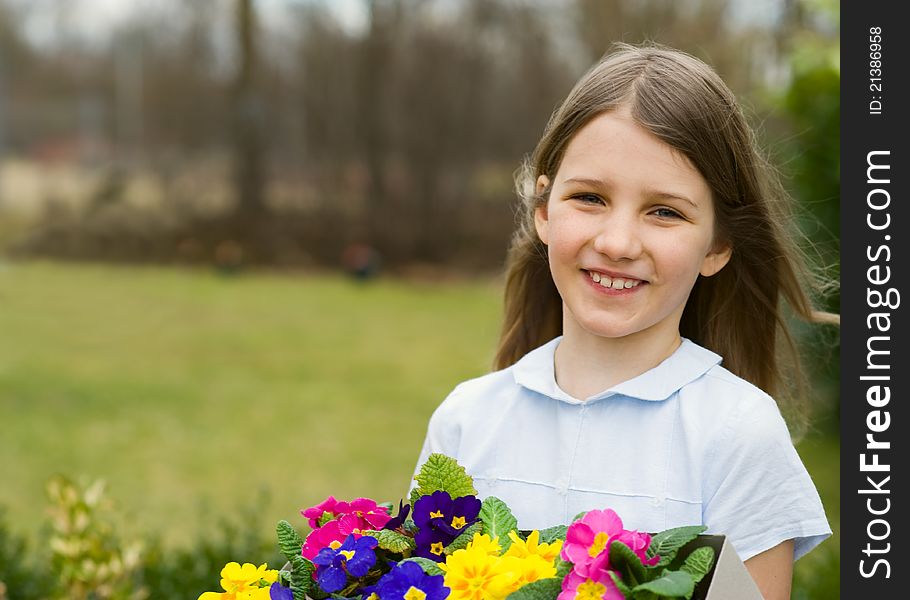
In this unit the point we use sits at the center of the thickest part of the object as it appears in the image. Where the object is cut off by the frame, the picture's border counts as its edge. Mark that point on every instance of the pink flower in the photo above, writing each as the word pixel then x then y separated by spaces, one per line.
pixel 639 543
pixel 372 515
pixel 313 513
pixel 350 518
pixel 597 585
pixel 327 536
pixel 590 538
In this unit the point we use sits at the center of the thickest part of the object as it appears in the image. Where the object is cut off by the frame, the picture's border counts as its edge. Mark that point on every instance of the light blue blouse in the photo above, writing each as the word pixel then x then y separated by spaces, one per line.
pixel 685 443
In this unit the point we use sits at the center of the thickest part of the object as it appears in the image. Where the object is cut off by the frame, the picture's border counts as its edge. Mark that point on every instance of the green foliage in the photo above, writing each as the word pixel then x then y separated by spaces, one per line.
pixel 670 584
pixel 562 567
pixel 542 589
pixel 88 560
pixel 302 578
pixel 637 581
pixel 392 540
pixel 441 472
pixel 624 560
pixel 22 578
pixel 699 563
pixel 625 590
pixel 429 567
pixel 667 543
pixel 498 520
pixel 465 538
pixel 551 534
pixel 289 541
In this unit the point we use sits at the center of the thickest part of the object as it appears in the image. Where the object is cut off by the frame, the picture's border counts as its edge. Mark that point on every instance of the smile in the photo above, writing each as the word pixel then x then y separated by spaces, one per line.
pixel 616 283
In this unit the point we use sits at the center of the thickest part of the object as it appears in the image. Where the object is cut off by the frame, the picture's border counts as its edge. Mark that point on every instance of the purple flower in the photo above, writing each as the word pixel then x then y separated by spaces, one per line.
pixel 355 557
pixel 279 592
pixel 440 512
pixel 401 582
pixel 403 510
pixel 431 543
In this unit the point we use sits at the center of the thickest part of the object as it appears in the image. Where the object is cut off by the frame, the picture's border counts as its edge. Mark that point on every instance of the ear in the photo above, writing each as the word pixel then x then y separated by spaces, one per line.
pixel 541 215
pixel 716 259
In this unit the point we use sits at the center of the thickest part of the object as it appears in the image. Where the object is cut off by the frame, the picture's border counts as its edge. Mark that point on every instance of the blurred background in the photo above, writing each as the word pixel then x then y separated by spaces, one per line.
pixel 247 247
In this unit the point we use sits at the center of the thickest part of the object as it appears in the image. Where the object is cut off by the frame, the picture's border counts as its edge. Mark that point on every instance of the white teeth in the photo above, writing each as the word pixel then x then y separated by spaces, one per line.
pixel 610 282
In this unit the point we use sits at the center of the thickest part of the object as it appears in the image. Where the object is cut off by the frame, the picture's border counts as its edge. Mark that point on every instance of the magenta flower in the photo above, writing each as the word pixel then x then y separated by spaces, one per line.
pixel 372 515
pixel 589 538
pixel 329 535
pixel 313 513
pixel 596 586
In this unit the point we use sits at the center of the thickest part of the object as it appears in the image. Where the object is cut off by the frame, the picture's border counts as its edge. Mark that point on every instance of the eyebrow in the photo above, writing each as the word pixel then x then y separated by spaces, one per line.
pixel 598 183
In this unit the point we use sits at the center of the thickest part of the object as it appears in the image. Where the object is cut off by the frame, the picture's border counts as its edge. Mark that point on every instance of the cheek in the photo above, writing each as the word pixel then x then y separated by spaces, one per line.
pixel 680 258
pixel 565 239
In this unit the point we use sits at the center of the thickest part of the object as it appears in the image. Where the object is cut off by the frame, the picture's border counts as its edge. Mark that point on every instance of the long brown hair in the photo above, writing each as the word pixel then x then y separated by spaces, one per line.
pixel 738 313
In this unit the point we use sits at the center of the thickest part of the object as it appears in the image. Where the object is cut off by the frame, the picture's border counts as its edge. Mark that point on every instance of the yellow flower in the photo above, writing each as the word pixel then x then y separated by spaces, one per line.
pixel 247 582
pixel 521 548
pixel 530 568
pixel 475 574
pixel 482 541
pixel 479 573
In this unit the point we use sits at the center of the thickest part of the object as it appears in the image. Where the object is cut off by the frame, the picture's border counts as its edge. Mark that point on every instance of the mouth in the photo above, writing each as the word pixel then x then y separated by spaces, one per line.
pixel 614 283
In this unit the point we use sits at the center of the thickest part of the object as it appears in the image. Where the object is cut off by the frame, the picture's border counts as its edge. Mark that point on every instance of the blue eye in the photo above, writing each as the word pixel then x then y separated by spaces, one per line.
pixel 588 198
pixel 667 213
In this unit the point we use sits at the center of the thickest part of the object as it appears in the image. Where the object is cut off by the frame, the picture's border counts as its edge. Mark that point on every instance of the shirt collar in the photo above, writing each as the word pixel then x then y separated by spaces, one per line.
pixel 536 372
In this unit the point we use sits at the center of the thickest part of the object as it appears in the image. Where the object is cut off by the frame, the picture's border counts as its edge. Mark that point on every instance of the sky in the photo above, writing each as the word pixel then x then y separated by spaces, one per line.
pixel 93 20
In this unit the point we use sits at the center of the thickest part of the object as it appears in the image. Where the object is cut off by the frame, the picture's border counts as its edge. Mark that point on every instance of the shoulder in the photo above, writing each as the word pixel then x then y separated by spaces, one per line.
pixel 479 393
pixel 731 402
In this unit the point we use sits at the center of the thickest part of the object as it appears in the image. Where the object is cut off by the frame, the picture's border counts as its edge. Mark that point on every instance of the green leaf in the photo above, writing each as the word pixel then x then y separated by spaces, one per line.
pixel 284 578
pixel 563 567
pixel 667 543
pixel 441 472
pixel 625 590
pixel 624 560
pixel 324 518
pixel 497 520
pixel 551 534
pixel 465 538
pixel 289 541
pixel 302 583
pixel 542 589
pixel 579 516
pixel 699 563
pixel 670 583
pixel 392 540
pixel 429 567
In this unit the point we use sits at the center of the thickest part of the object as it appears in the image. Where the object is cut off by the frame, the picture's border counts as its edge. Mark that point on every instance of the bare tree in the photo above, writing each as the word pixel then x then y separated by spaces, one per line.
pixel 247 121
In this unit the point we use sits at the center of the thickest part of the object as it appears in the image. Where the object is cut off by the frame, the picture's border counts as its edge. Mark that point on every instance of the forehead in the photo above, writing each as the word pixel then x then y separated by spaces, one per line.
pixel 612 146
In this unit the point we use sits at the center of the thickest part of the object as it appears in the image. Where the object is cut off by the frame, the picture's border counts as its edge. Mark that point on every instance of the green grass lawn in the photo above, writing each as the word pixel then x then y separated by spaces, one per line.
pixel 190 392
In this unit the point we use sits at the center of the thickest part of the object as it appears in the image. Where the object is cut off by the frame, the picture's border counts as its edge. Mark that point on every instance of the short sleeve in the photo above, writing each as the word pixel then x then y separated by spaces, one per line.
pixel 757 491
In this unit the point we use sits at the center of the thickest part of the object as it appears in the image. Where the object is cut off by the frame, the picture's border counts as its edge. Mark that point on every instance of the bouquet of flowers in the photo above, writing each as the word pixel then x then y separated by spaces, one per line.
pixel 445 544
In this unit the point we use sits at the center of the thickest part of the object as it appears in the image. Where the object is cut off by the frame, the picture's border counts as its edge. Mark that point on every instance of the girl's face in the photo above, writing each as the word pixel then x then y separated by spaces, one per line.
pixel 629 226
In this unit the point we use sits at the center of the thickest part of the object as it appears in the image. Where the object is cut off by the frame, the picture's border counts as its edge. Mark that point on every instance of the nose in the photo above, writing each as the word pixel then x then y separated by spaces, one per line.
pixel 619 237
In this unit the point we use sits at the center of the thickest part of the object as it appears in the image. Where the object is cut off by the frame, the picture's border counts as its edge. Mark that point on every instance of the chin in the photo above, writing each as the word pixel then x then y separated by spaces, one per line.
pixel 609 330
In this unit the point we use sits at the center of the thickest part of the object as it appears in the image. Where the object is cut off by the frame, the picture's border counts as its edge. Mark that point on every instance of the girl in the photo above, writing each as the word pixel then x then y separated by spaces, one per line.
pixel 651 248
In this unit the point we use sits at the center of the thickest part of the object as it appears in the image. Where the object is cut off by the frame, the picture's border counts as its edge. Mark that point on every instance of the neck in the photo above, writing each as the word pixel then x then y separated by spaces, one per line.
pixel 587 364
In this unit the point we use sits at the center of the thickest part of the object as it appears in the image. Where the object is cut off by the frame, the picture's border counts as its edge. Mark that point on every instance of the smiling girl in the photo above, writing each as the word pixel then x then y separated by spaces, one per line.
pixel 643 324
